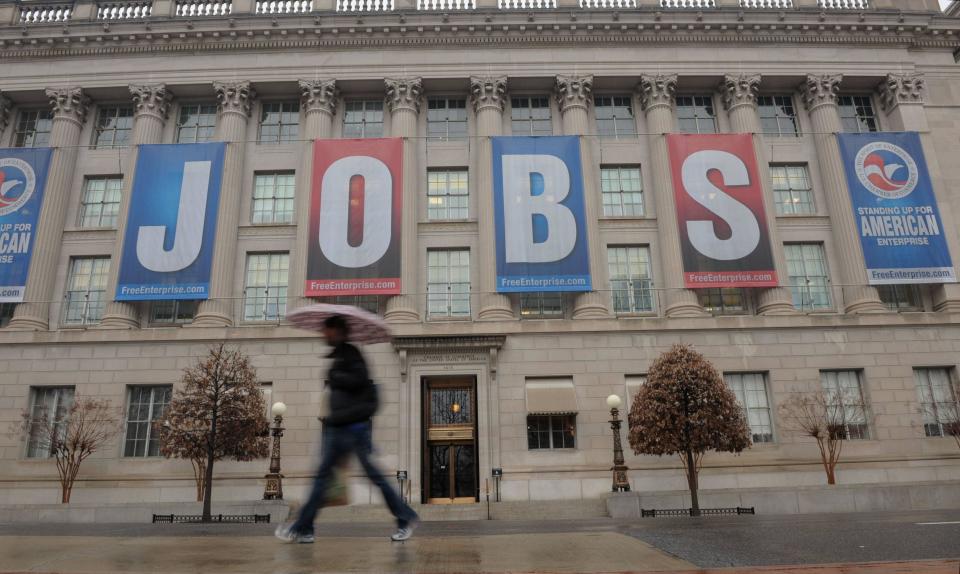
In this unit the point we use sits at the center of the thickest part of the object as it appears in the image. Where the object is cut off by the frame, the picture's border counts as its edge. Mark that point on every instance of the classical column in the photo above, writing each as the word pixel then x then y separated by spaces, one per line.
pixel 820 97
pixel 69 112
pixel 488 95
pixel 234 104
pixel 901 97
pixel 152 103
pixel 404 96
pixel 574 97
pixel 740 100
pixel 657 99
pixel 318 100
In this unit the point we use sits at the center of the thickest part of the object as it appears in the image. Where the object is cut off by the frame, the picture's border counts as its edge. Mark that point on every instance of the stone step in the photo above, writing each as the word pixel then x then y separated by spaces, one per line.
pixel 514 510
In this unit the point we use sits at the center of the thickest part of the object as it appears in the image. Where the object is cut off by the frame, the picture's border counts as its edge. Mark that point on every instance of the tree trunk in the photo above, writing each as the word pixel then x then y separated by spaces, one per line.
pixel 692 482
pixel 199 471
pixel 208 475
pixel 831 474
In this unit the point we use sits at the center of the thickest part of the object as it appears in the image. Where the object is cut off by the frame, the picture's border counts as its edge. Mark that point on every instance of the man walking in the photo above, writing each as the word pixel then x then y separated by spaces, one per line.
pixel 353 401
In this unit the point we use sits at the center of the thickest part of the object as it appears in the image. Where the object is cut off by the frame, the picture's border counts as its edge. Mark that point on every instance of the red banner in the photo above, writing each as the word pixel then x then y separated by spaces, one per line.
pixel 724 238
pixel 355 210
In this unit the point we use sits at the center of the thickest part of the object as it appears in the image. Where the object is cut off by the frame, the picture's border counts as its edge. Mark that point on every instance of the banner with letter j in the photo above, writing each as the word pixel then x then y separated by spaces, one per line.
pixel 724 238
pixel 23 176
pixel 168 243
pixel 896 212
pixel 539 215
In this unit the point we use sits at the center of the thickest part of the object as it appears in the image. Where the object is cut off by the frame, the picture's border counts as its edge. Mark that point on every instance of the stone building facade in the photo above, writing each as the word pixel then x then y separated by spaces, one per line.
pixel 525 377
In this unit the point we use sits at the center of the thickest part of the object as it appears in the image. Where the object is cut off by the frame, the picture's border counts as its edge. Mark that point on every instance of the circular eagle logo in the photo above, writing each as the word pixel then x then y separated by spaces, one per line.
pixel 886 170
pixel 17 184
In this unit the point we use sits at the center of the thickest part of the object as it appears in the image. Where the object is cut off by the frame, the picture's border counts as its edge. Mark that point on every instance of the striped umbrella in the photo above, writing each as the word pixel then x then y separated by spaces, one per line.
pixel 365 327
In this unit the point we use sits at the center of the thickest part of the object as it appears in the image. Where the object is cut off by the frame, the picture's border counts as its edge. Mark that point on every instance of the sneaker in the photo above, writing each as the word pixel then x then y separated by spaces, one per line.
pixel 286 533
pixel 405 532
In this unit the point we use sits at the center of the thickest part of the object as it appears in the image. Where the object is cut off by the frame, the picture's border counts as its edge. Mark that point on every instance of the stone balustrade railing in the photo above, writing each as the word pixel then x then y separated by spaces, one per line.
pixel 364 5
pixel 845 4
pixel 452 5
pixel 688 4
pixel 526 4
pixel 194 8
pixel 619 4
pixel 770 4
pixel 124 10
pixel 45 13
pixel 284 6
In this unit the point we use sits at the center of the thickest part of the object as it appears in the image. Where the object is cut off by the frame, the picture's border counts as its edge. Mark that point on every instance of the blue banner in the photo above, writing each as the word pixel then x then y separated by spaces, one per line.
pixel 168 244
pixel 896 212
pixel 23 176
pixel 539 215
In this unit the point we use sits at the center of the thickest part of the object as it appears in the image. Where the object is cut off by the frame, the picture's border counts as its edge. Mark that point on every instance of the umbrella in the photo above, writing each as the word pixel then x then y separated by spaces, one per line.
pixel 365 327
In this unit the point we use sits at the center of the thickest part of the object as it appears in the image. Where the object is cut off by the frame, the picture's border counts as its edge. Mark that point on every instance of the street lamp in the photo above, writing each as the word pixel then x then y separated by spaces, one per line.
pixel 620 482
pixel 274 488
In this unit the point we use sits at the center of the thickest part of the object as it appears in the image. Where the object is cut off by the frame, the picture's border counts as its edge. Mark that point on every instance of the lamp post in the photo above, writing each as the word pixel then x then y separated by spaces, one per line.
pixel 620 482
pixel 274 488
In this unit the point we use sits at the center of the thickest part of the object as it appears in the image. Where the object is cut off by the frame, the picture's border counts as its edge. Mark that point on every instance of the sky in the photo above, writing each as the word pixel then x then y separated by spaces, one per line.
pixel 944 3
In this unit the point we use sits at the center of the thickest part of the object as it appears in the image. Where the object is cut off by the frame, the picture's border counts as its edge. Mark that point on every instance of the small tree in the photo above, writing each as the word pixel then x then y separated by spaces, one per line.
pixel 72 435
pixel 685 408
pixel 218 413
pixel 825 417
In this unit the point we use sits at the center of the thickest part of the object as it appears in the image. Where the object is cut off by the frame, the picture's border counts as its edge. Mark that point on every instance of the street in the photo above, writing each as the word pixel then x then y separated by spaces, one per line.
pixel 927 542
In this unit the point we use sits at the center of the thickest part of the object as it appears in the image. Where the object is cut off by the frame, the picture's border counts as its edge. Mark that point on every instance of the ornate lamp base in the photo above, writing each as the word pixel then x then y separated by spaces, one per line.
pixel 274 489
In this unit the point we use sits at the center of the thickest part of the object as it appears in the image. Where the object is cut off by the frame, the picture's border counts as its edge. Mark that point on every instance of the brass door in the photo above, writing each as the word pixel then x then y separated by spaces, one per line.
pixel 450 447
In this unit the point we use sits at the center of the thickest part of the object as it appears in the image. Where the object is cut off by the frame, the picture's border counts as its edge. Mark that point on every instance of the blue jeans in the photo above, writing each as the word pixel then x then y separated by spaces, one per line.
pixel 339 443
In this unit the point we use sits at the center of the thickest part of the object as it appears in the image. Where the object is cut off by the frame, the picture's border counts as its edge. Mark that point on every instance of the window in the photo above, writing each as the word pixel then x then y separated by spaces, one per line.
pixel 751 391
pixel 49 409
pixel 173 312
pixel 369 303
pixel 696 115
pixel 622 190
pixel 777 116
pixel 857 115
pixel 101 202
pixel 630 279
pixel 363 119
pixel 273 197
pixel 113 127
pixel 615 116
pixel 33 128
pixel 447 195
pixel 531 116
pixel 448 283
pixel 279 122
pixel 145 406
pixel 265 291
pixel 900 297
pixel 86 290
pixel 809 280
pixel 446 118
pixel 196 123
pixel 792 191
pixel 551 431
pixel 541 305
pixel 937 391
pixel 6 313
pixel 723 301
pixel 846 409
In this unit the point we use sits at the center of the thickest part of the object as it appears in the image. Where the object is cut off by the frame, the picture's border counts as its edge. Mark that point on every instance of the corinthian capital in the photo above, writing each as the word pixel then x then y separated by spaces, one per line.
pixel 898 89
pixel 574 92
pixel 5 106
pixel 404 94
pixel 657 90
pixel 488 92
pixel 151 99
pixel 740 90
pixel 819 90
pixel 69 103
pixel 319 95
pixel 234 97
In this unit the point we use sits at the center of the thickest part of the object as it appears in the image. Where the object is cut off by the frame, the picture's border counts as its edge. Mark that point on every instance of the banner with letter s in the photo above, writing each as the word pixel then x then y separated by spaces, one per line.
pixel 171 226
pixel 539 215
pixel 23 176
pixel 355 217
pixel 724 238
pixel 896 212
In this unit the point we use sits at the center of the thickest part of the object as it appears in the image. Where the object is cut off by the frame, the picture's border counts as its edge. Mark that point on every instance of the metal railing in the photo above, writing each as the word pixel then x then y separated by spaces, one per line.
pixel 736 511
pixel 193 8
pixel 198 518
pixel 124 10
pixel 284 6
pixel 45 13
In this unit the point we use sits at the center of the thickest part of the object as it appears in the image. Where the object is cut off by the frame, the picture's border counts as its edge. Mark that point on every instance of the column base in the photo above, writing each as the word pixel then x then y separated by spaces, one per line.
pixel 212 314
pixel 400 309
pixel 29 317
pixel 590 305
pixel 946 298
pixel 684 303
pixel 776 301
pixel 120 315
pixel 495 307
pixel 863 300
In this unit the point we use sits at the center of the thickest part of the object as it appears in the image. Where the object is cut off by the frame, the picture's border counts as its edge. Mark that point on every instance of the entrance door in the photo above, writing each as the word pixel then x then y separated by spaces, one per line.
pixel 450 440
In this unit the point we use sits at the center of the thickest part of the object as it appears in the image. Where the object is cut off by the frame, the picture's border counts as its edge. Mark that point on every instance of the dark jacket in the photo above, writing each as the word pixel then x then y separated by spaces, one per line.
pixel 353 396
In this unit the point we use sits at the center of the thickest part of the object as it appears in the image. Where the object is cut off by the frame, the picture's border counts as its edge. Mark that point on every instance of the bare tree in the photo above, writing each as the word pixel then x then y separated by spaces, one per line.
pixel 685 408
pixel 828 419
pixel 218 413
pixel 72 435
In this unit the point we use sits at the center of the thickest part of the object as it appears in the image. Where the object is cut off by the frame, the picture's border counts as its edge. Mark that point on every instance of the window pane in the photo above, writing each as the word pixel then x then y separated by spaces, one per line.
pixel 751 392
pixel 273 197
pixel 792 191
pixel 846 410
pixel 100 203
pixel 196 123
pixel 630 279
pixel 696 114
pixel 447 195
pixel 265 290
pixel 448 283
pixel 807 270
pixel 279 122
pixel 85 295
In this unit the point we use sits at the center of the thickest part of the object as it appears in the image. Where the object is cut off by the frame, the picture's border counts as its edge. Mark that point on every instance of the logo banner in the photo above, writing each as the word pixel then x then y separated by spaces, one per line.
pixel 539 215
pixel 172 222
pixel 896 212
pixel 724 238
pixel 23 176
pixel 355 216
